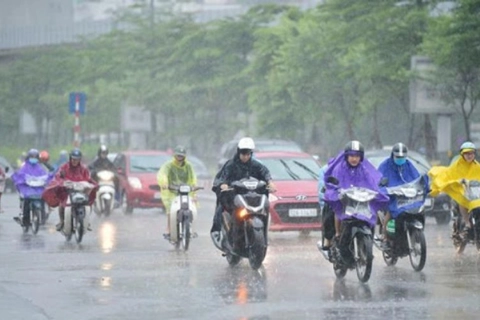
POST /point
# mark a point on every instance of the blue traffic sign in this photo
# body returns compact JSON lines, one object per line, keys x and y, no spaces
{"x":81,"y":97}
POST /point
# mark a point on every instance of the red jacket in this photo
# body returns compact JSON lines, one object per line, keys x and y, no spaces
{"x":55,"y":194}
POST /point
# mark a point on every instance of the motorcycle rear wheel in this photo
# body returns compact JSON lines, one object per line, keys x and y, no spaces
{"x":232,"y":259}
{"x":365,"y":257}
{"x":418,"y":254}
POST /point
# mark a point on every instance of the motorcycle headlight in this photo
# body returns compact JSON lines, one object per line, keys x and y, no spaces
{"x":272,"y":197}
{"x":135,"y":182}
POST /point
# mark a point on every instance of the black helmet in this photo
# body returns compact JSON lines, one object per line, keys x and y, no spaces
{"x":76,"y":154}
{"x":399,"y":150}
{"x":354,"y":147}
{"x":103,"y":149}
{"x":180,"y":151}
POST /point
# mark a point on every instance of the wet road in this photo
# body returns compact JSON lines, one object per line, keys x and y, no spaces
{"x":125,"y":270}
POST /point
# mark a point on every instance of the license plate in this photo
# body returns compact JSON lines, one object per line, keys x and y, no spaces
{"x":428,"y":202}
{"x":157,"y":195}
{"x":302,"y":212}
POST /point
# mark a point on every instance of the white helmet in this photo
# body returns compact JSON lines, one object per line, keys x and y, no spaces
{"x":246,"y":143}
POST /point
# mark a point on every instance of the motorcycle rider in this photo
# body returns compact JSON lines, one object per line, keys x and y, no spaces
{"x":241,"y":166}
{"x":101,"y":162}
{"x":44,"y":158}
{"x":351,"y":169}
{"x":398,"y":170}
{"x":175,"y":172}
{"x":31,"y":167}
{"x":3,"y":177}
{"x":465,"y":167}
{"x":73,"y":170}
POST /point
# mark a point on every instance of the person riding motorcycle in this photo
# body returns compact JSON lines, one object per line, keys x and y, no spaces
{"x":241,"y":166}
{"x":101,"y":162}
{"x":33,"y":168}
{"x":398,"y":170}
{"x":464,"y":167}
{"x":73,"y":170}
{"x":350,"y":168}
{"x":177,"y":171}
{"x":44,"y":158}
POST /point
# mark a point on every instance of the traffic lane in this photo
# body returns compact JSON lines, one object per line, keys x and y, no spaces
{"x":125,"y":270}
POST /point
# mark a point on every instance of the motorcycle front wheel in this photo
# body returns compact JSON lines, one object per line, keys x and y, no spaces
{"x":418,"y":251}
{"x":258,"y":249}
{"x":365,"y":257}
{"x":79,"y":228}
{"x":35,"y":219}
{"x":185,"y":234}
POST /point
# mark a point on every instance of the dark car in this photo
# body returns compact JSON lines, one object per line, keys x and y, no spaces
{"x":229,"y":149}
{"x":439,"y":207}
{"x":137,"y":173}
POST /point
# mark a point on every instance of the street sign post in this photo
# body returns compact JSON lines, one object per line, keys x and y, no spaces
{"x":76,"y":106}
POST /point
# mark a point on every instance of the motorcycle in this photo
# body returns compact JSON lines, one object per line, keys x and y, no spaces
{"x":104,"y":201}
{"x":37,"y":212}
{"x":182,"y":214}
{"x":244,"y":232}
{"x":406,"y":232}
{"x":354,"y":248}
{"x":461,"y":236}
{"x":76,"y":220}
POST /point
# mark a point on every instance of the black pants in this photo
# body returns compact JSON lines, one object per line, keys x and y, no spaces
{"x":26,"y":210}
{"x":224,"y":202}
{"x":328,"y":221}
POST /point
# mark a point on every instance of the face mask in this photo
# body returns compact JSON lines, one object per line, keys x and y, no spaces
{"x":33,"y":160}
{"x":400,"y":161}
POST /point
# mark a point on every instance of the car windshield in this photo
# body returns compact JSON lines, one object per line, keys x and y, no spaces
{"x":288,"y":147}
{"x":147,"y":163}
{"x":292,"y":168}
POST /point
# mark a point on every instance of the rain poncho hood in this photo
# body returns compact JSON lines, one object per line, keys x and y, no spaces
{"x":398,"y":175}
{"x":364,"y":175}
{"x":447,"y":179}
{"x":21,"y":177}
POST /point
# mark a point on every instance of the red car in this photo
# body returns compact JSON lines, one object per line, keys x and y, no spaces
{"x":137,"y":173}
{"x":294,"y":207}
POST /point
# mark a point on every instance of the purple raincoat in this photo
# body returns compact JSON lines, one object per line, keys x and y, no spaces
{"x":28,"y":173}
{"x":364,"y":175}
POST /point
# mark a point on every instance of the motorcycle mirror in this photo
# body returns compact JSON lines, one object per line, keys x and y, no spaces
{"x":62,"y":174}
{"x":333,"y":180}
{"x":383,"y":182}
{"x":7,"y":169}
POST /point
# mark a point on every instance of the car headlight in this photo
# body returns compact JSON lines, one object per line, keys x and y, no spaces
{"x":135,"y":182}
{"x":272,"y":197}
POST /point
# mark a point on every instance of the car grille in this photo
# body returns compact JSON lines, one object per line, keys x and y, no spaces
{"x":155,"y":187}
{"x":282,"y":211}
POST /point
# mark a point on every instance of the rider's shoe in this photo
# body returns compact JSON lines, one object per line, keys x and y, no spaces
{"x":217,"y":238}
{"x":166,"y":236}
{"x":194,"y":235}
{"x":89,"y":227}
{"x":59,"y":226}
{"x":18,"y":220}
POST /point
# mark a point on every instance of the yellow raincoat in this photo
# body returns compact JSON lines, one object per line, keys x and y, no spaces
{"x":172,"y":173}
{"x":447,"y":179}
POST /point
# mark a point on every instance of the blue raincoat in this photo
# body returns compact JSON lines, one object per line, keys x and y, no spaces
{"x":398,"y":175}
